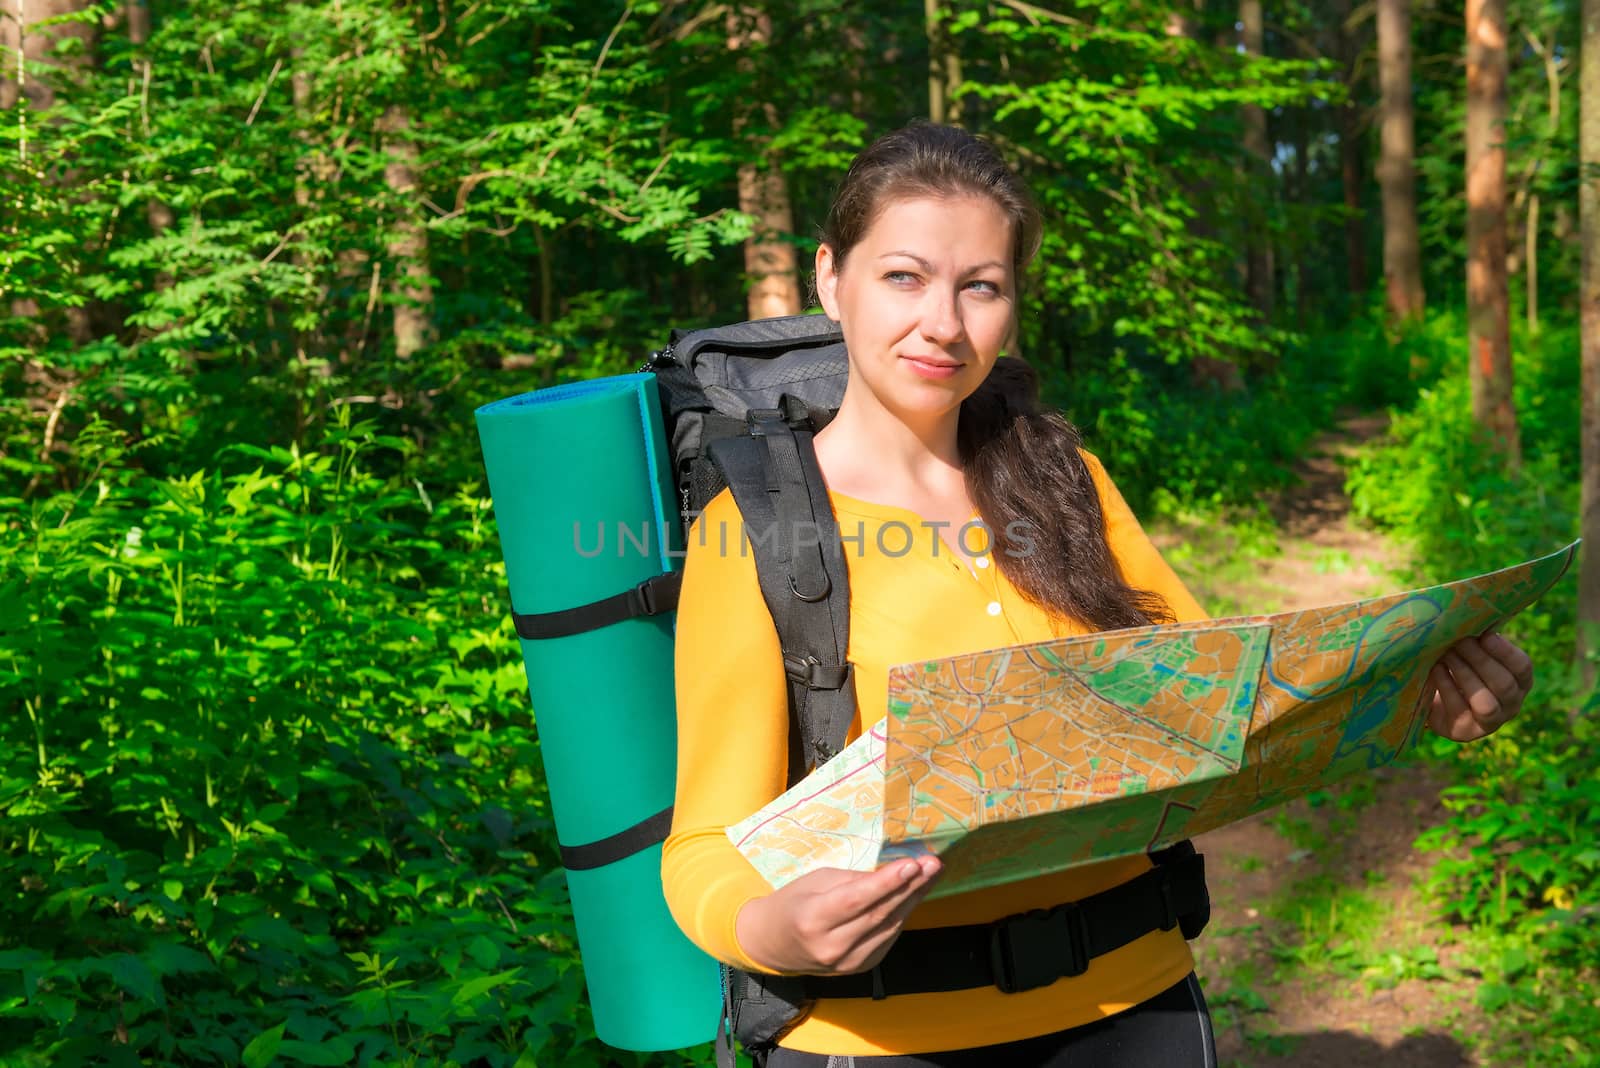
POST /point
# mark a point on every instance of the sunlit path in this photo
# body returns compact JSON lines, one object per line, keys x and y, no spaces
{"x":1321,"y":950}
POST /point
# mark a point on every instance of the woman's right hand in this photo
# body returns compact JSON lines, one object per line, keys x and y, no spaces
{"x":834,"y":922}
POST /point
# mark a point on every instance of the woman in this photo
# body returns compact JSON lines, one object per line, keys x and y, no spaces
{"x":920,"y":263}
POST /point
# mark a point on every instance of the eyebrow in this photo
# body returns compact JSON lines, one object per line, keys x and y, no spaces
{"x":926,"y":266}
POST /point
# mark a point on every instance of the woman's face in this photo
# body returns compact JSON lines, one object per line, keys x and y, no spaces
{"x":925,"y":299}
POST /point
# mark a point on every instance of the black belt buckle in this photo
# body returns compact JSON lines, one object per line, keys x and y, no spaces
{"x":1039,"y":947}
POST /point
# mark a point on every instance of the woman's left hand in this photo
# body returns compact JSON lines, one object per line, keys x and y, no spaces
{"x":1478,"y":686}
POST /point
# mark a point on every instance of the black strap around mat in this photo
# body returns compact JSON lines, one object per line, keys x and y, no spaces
{"x":1029,"y":950}
{"x":651,"y":597}
{"x":620,"y":846}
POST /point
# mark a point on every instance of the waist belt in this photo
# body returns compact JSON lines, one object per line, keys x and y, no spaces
{"x":1031,"y":949}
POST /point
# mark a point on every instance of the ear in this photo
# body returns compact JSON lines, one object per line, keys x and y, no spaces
{"x":827,"y":282}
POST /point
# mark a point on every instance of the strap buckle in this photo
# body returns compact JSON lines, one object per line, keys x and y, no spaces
{"x":1039,"y":947}
{"x":812,"y":673}
{"x":642,"y":598}
{"x":791,"y":412}
{"x":756,"y":419}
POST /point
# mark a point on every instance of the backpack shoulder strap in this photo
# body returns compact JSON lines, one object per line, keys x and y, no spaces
{"x":773,"y":474}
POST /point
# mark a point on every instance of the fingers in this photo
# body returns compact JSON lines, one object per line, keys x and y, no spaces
{"x":875,"y":899}
{"x":1450,"y":715}
{"x":1512,"y":657}
{"x":1482,"y":700}
{"x":1495,"y":673}
{"x":850,"y":925}
{"x":892,"y":908}
{"x":875,"y":944}
{"x":1481,"y":685}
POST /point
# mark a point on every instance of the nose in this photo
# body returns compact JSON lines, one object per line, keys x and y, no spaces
{"x":941,"y":317}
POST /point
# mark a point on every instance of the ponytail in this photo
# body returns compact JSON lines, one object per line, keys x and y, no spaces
{"x":1028,"y":478}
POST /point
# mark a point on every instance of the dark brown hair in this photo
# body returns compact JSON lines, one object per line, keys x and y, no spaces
{"x":1024,"y":468}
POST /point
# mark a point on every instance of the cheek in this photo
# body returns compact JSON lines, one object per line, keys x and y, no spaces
{"x":992,"y":327}
{"x":876,"y":320}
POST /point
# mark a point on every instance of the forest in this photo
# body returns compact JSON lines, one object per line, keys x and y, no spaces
{"x":270,"y":785}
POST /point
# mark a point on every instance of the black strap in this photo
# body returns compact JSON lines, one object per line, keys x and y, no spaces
{"x":620,"y":846}
{"x":1193,"y":921}
{"x":651,"y":597}
{"x":1029,"y":950}
{"x":773,"y":473}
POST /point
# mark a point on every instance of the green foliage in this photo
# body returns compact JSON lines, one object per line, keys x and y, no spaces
{"x":1177,"y":444}
{"x":1126,"y":252}
{"x":269,"y":787}
{"x":250,"y":184}
{"x":1380,"y":366}
{"x":1518,"y":859}
{"x":271,"y":792}
{"x":1441,"y":487}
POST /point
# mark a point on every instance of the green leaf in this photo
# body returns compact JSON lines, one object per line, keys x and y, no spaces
{"x":473,"y":989}
{"x":333,"y":1051}
{"x":134,"y":976}
{"x":262,"y":1048}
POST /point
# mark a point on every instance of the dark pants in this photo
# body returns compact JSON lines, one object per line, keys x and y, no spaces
{"x":1171,"y":1030}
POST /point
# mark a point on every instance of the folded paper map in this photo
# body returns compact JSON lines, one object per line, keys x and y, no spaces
{"x":1014,"y":762}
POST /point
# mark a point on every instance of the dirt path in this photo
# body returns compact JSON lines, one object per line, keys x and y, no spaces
{"x":1321,"y":952}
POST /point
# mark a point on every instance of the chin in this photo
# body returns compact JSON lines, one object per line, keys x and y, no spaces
{"x":926,"y":401}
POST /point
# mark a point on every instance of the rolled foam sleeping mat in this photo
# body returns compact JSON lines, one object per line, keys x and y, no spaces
{"x":583,"y":496}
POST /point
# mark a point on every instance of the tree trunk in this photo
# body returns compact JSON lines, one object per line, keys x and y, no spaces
{"x":1532,"y":254}
{"x":1259,"y":283}
{"x":1402,"y":247}
{"x":1552,"y":79}
{"x":547,"y":274}
{"x":1207,"y":372}
{"x":410,"y":292}
{"x":1351,"y":165}
{"x":28,"y":44}
{"x":1303,"y":203}
{"x":1488,"y":315}
{"x":944,"y":67}
{"x":10,"y":44}
{"x":1351,"y":169}
{"x":137,"y":13}
{"x":156,"y":211}
{"x":952,"y":81}
{"x":769,"y":259}
{"x":1589,"y":290}
{"x":18,"y":34}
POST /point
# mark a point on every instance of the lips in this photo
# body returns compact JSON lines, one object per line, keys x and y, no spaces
{"x":933,"y":368}
{"x":937,"y":362}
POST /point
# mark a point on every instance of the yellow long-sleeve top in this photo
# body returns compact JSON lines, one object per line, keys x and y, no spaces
{"x":733,"y":731}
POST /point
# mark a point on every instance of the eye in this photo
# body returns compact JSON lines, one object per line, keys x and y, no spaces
{"x":987,"y":288}
{"x":899,"y":278}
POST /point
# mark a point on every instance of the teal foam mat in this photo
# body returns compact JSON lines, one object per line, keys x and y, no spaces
{"x":584,"y":501}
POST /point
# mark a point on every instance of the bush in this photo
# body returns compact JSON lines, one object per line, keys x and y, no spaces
{"x":1169,"y":440}
{"x":269,"y":785}
{"x":1518,"y":859}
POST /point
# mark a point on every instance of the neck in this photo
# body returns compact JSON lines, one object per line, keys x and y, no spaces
{"x":867,"y":446}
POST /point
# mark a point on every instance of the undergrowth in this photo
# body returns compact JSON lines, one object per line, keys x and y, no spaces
{"x":271,"y":792}
{"x":1518,"y":862}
